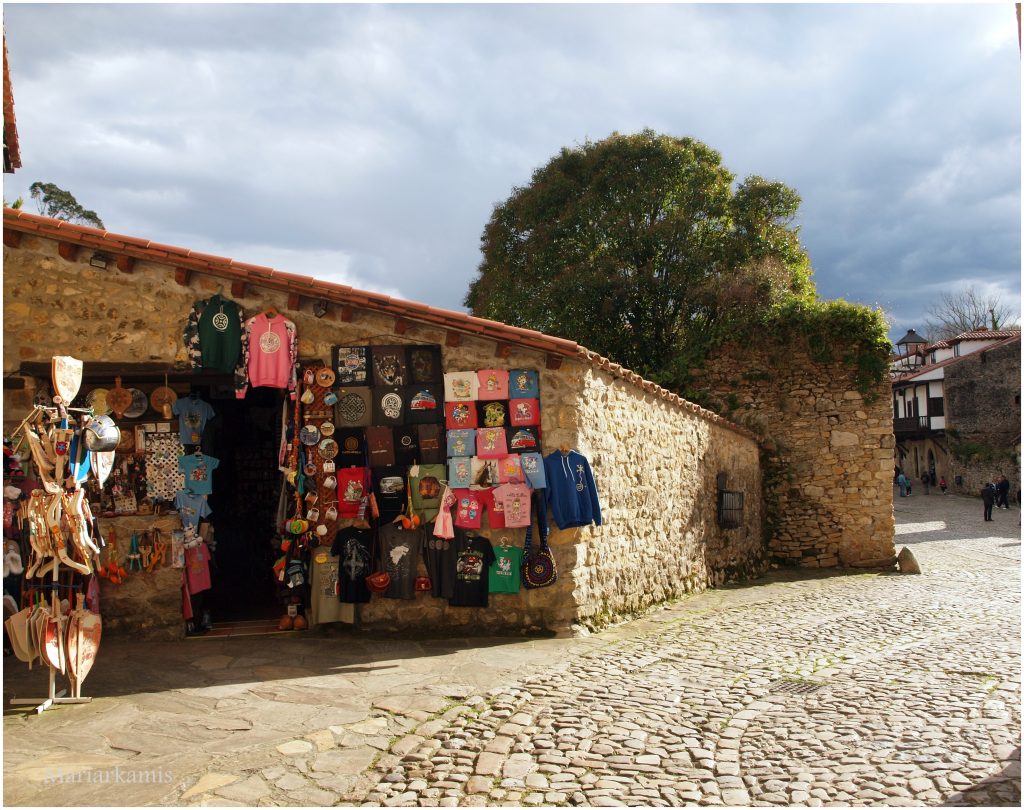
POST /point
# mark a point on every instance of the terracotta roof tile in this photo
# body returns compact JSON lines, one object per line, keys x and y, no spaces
{"x":290,"y":282}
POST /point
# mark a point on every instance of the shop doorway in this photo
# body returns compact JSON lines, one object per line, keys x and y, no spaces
{"x":244,"y":435}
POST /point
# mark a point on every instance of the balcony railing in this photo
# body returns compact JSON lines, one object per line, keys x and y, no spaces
{"x":914,"y":425}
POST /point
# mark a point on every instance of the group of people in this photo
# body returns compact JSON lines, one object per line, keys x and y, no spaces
{"x":906,"y":484}
{"x":997,"y":495}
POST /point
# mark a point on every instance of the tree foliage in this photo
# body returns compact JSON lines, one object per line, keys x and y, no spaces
{"x":639,"y":247}
{"x":966,"y":311}
{"x":53,"y":201}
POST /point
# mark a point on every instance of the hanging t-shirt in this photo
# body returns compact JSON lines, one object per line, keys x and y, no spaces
{"x":425,"y":364}
{"x":193,"y":413}
{"x":495,"y":510}
{"x":523,"y":384}
{"x":407,"y":445}
{"x":198,"y":469}
{"x":353,"y":486}
{"x":524,"y":439}
{"x":493,"y":383}
{"x":460,"y":471}
{"x":533,"y":469}
{"x":516,"y":500}
{"x":490,"y":443}
{"x":485,"y":472}
{"x":469,"y":507}
{"x":389,"y":365}
{"x":352,"y":547}
{"x":524,"y":412}
{"x":389,"y":490}
{"x":439,"y":556}
{"x":504,"y":574}
{"x":431,"y":438}
{"x":400,"y":552}
{"x":510,"y":470}
{"x":197,"y":568}
{"x":425,"y":403}
{"x":461,"y":442}
{"x":191,"y":508}
{"x":473,"y":558}
{"x":492,"y":414}
{"x":460,"y":415}
{"x":351,"y":365}
{"x":425,"y":488}
{"x":460,"y":385}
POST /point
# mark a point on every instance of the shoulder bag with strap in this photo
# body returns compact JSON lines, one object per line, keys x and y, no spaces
{"x":538,"y":568}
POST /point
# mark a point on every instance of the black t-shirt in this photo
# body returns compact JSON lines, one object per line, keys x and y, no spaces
{"x":353,"y":548}
{"x":389,"y":488}
{"x":473,"y":557}
{"x":400,"y":554}
{"x":439,"y":555}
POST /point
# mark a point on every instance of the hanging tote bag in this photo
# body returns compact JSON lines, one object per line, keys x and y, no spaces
{"x":538,"y":569}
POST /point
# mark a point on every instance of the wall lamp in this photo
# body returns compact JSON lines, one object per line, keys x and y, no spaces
{"x":100,"y":260}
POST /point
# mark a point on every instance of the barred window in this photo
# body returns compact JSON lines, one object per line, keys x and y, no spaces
{"x":730,"y":505}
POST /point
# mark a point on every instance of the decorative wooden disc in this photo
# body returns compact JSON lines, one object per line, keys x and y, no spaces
{"x":119,"y":398}
{"x":162,"y":396}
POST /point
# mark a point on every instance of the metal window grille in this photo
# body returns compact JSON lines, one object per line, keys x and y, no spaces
{"x":730,"y":509}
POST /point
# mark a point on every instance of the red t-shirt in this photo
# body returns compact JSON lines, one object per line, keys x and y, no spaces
{"x":353,"y":486}
{"x":495,"y":510}
{"x":469,"y":508}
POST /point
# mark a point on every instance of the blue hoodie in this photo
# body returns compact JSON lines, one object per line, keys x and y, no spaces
{"x":571,"y":492}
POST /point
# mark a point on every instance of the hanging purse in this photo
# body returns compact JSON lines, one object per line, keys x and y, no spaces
{"x":538,"y":569}
{"x":380,"y":580}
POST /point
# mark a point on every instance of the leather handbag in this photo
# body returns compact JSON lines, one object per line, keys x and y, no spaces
{"x":538,"y":568}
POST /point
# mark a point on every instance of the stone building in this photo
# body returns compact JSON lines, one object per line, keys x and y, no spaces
{"x":956,"y":412}
{"x":829,"y":449}
{"x":680,"y":487}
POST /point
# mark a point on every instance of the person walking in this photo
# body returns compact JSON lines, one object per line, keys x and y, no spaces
{"x":988,"y":498}
{"x":926,"y":481}
{"x":901,"y":481}
{"x":942,"y":484}
{"x":1003,"y":493}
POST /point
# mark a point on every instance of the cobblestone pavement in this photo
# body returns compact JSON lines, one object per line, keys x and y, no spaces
{"x":801,"y":689}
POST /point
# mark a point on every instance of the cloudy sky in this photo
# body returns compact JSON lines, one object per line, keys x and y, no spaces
{"x":368,"y":144}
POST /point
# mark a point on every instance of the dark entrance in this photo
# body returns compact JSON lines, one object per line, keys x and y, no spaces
{"x":245,"y":436}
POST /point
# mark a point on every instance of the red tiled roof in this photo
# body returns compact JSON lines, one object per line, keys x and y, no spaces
{"x":949,"y":361}
{"x":12,"y":153}
{"x":985,"y":334}
{"x":268,"y":277}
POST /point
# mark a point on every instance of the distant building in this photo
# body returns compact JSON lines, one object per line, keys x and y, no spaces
{"x":956,"y":407}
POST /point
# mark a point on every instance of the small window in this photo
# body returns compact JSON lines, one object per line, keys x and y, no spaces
{"x":730,"y":504}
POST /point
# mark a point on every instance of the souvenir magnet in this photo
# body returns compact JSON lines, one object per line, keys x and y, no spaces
{"x":324,"y":377}
{"x":328,"y":449}
{"x":309,"y":434}
{"x":327,"y":429}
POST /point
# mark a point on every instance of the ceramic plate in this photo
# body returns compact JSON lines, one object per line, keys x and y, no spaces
{"x":140,"y":402}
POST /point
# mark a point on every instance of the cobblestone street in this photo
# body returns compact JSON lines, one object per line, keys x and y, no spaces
{"x":801,"y":689}
{"x":849,"y":690}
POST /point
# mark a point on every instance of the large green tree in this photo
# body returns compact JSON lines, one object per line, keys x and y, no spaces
{"x":53,"y":201}
{"x":640,"y":248}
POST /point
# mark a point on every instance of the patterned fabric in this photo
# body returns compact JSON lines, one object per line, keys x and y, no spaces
{"x":163,"y":478}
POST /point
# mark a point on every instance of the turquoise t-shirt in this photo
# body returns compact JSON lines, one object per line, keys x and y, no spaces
{"x":198,"y":469}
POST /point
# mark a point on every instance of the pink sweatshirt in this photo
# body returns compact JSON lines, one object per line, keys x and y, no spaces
{"x":271,"y":350}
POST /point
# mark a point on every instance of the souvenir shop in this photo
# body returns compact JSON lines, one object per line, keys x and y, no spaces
{"x":295,"y":493}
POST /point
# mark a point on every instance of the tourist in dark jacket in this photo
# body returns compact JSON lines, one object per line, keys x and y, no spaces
{"x":988,"y":497}
{"x":1003,"y":493}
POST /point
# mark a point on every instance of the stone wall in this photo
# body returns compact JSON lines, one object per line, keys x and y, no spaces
{"x":829,"y":477}
{"x":655,"y":461}
{"x":982,"y":406}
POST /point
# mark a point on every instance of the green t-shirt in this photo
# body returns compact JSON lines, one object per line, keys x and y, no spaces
{"x":503,"y":575}
{"x":426,"y":489}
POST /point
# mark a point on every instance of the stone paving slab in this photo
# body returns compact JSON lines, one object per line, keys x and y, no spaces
{"x":912,"y":698}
